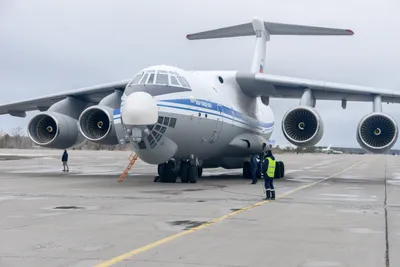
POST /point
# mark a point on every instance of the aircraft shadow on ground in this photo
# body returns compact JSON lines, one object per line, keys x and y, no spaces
{"x":132,"y":178}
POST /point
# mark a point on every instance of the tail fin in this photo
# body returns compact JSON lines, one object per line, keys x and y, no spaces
{"x":262,"y":30}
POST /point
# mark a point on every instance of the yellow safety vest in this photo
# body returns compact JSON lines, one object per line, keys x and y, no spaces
{"x":271,"y":168}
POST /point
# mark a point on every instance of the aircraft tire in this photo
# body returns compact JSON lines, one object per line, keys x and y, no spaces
{"x":283,"y":170}
{"x":183,"y":172}
{"x":278,"y":169}
{"x":193,"y":174}
{"x":167,"y":173}
{"x":200,"y":171}
{"x":246,"y":170}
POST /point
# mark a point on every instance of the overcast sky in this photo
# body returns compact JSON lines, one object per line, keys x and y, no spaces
{"x":53,"y":46}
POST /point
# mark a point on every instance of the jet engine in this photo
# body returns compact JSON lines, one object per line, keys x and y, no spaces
{"x":377,"y":132}
{"x":96,"y":125}
{"x":54,"y":130}
{"x":58,"y":126}
{"x":302,"y":126}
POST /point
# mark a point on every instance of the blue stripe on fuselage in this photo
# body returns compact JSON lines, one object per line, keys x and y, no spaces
{"x":219,"y":108}
{"x":212,"y":106}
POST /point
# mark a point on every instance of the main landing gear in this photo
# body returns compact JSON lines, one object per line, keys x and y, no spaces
{"x":187,"y":170}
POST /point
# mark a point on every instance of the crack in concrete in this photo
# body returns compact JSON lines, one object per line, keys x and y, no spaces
{"x":387,"y":259}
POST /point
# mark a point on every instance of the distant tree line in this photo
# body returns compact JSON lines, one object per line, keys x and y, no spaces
{"x":88,"y":145}
{"x":288,"y":149}
{"x":16,"y":139}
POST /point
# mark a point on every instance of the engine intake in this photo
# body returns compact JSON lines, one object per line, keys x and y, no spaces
{"x":54,"y":130}
{"x":302,"y":126}
{"x":96,"y":125}
{"x":377,"y":132}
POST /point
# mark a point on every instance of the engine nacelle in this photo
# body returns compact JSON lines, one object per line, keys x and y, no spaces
{"x":302,"y":126}
{"x":54,"y":130}
{"x":377,"y":132}
{"x":96,"y":124}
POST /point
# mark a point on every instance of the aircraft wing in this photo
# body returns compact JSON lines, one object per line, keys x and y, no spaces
{"x":260,"y":84}
{"x":92,"y":94}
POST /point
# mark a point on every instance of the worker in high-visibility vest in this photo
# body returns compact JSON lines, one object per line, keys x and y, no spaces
{"x":268,"y":170}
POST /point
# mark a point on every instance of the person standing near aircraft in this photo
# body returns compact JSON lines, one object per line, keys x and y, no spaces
{"x":268,"y":170}
{"x":64,"y":160}
{"x":262,"y":156}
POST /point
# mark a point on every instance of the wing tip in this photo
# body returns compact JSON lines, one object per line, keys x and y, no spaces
{"x":350,"y":31}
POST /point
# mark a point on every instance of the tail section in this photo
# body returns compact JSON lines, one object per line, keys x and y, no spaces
{"x":262,"y":30}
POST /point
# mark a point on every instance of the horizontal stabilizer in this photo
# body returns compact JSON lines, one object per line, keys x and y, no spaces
{"x":291,"y":29}
{"x":272,"y":28}
{"x":233,"y":31}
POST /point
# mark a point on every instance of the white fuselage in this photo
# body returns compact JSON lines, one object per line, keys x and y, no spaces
{"x":331,"y":151}
{"x":208,"y":114}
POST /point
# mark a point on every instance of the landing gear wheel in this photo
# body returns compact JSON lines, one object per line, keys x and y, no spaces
{"x":277,"y":173}
{"x":283,"y":170}
{"x":246,"y":170}
{"x":199,"y":171}
{"x":189,"y":173}
{"x":279,"y":169}
{"x":167,"y":174}
{"x":183,"y":172}
{"x":193,"y":174}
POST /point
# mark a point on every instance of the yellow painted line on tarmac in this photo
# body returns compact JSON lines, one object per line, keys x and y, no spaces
{"x":320,"y":181}
{"x":134,"y":252}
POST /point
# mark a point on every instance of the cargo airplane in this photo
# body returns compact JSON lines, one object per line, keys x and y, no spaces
{"x":329,"y":150}
{"x":184,"y":121}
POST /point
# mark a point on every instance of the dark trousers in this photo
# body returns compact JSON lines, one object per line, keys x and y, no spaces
{"x":254,"y":176}
{"x":269,"y":186}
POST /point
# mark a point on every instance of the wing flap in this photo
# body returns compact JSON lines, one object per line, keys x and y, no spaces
{"x":92,"y":94}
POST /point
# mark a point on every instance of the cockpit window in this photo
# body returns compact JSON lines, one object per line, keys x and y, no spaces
{"x":151,"y":79}
{"x":162,"y":78}
{"x":144,"y":79}
{"x":137,"y":78}
{"x":174,"y":81}
{"x":183,"y":81}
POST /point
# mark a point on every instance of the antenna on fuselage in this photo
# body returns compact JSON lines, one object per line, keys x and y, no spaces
{"x":263,"y":30}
